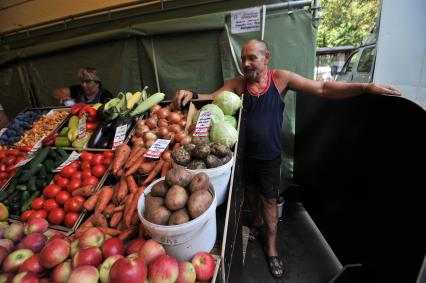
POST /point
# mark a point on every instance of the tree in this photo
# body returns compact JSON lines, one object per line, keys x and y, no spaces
{"x":346,"y":22}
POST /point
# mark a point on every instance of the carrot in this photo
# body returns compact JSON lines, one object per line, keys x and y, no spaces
{"x":90,"y":203}
{"x":166,"y":167}
{"x":120,"y":226}
{"x":135,"y":157}
{"x":110,"y":231}
{"x":85,"y":191}
{"x":99,"y":220}
{"x":120,"y":157}
{"x":128,"y":233}
{"x":109,"y":210}
{"x":131,"y":184}
{"x":105,"y":197}
{"x":135,"y":218}
{"x":133,"y":207}
{"x":147,"y":166}
{"x":127,"y":207}
{"x":154,"y":172}
{"x":134,"y":167}
{"x":133,"y":153}
{"x":141,"y":231}
{"x":119,"y":208}
{"x":115,"y":219}
{"x":88,"y":223}
{"x":122,"y":190}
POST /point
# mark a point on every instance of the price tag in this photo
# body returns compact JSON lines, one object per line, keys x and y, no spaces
{"x":23,"y":162}
{"x":157,"y":148}
{"x":82,"y":127}
{"x":73,"y":156}
{"x":203,"y":124}
{"x":120,"y":135}
{"x":2,"y":131}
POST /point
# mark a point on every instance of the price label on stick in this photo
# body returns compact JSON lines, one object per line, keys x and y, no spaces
{"x":23,"y":162}
{"x":36,"y":146}
{"x":120,"y":135}
{"x":82,"y":127}
{"x":203,"y":124}
{"x":157,"y":148}
{"x":73,"y":156}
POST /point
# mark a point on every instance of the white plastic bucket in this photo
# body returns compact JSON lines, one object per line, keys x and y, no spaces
{"x":183,"y":241}
{"x":280,"y":207}
{"x":219,"y":177}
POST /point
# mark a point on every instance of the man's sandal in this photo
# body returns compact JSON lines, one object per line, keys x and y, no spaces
{"x":276,"y":266}
{"x":254,"y":233}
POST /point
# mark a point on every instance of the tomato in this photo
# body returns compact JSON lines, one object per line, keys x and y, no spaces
{"x":63,"y":182}
{"x":86,"y":173}
{"x":86,"y":156}
{"x":9,"y":160}
{"x":76,"y":175}
{"x":80,"y":199}
{"x":37,"y":203}
{"x":107,"y":161}
{"x":70,"y":219}
{"x":76,"y":164}
{"x":26,"y":214}
{"x":49,"y":205}
{"x":73,"y":205}
{"x":68,"y":171}
{"x":108,"y":154}
{"x":10,"y":169}
{"x":91,"y":127}
{"x":85,"y":165}
{"x":97,"y":159}
{"x":4,"y":175}
{"x":73,"y":185}
{"x":19,"y":159}
{"x":92,"y":180}
{"x":98,"y":170}
{"x":56,"y":178}
{"x":14,"y":152}
{"x":56,"y":216}
{"x":38,"y":214}
{"x":3,"y":167}
{"x":62,"y":197}
{"x":50,"y":191}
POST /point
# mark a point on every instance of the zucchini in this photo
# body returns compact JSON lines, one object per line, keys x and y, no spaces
{"x":33,"y":170}
{"x":50,"y":165}
{"x":32,"y":184}
{"x":40,"y":156}
{"x":62,"y":153}
{"x":53,"y":155}
{"x":28,"y":202}
{"x":42,"y":173}
{"x":145,"y":105}
{"x":25,"y":196}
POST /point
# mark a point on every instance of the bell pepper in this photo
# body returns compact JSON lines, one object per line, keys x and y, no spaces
{"x":91,"y":127}
{"x":75,"y":109}
{"x":91,"y":112}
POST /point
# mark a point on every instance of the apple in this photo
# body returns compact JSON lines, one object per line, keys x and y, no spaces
{"x":186,"y":272}
{"x":133,"y":255}
{"x":6,"y":277}
{"x":112,"y":246}
{"x":86,"y":274}
{"x":163,"y":269}
{"x":134,"y":246}
{"x":61,"y":272}
{"x":25,"y":277}
{"x":12,"y":262}
{"x":7,"y":244}
{"x":39,"y":225}
{"x":150,"y":250}
{"x":128,"y":270}
{"x":44,"y":280}
{"x":89,"y":256}
{"x":32,"y":264}
{"x":14,"y":232}
{"x":93,"y":237}
{"x":106,"y":267}
{"x":34,"y":242}
{"x":4,"y":212}
{"x":53,"y":234}
{"x":3,"y":254}
{"x":204,"y":265}
{"x":55,"y":252}
{"x":74,"y":247}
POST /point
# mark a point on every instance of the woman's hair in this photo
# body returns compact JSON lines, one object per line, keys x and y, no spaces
{"x":89,"y":74}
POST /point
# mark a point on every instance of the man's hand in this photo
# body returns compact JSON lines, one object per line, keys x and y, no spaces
{"x":381,"y":89}
{"x":182,"y":97}
{"x":62,"y":94}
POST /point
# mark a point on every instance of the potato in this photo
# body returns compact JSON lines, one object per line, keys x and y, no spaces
{"x":160,"y":189}
{"x":179,"y":217}
{"x":199,"y":182}
{"x":220,"y":150}
{"x":197,"y":164}
{"x":189,"y":147}
{"x":178,"y":176}
{"x":199,"y":202}
{"x":158,"y":215}
{"x":225,"y":159}
{"x":201,"y":151}
{"x":181,"y":156}
{"x":176,"y":198}
{"x":213,"y":162}
{"x":151,"y":202}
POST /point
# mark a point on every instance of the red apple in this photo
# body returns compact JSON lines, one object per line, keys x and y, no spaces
{"x":44,"y":280}
{"x":7,"y":244}
{"x":163,"y":269}
{"x":204,"y":265}
{"x":186,"y":273}
{"x":86,"y":274}
{"x":53,"y":234}
{"x":134,"y":246}
{"x":93,"y":237}
{"x":150,"y":250}
{"x":14,"y":232}
{"x":25,"y":277}
{"x":36,"y":225}
{"x":6,"y":277}
{"x":34,"y":242}
{"x":128,"y":270}
{"x":61,"y":272}
{"x":32,"y":264}
{"x":112,"y":246}
{"x":55,"y":252}
{"x":74,"y":247}
{"x":3,"y":254}
{"x":89,"y":256}
{"x":14,"y":260}
{"x":106,"y":267}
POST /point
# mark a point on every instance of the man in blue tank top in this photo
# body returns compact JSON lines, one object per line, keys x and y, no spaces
{"x":263,"y":90}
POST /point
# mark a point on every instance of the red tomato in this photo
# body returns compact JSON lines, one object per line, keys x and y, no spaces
{"x":37,"y":203}
{"x":92,"y":180}
{"x":85,"y":165}
{"x":50,"y":204}
{"x":70,"y":219}
{"x":62,"y":197}
{"x":108,"y":154}
{"x":73,"y":205}
{"x":26,"y":214}
{"x":86,"y":156}
{"x":50,"y":191}
{"x":56,"y":178}
{"x":56,"y":216}
{"x":76,"y":175}
{"x":4,"y":175}
{"x":9,"y":160}
{"x":13,"y":152}
{"x":86,"y":173}
{"x":19,"y":159}
{"x":80,"y":199}
{"x":73,"y":185}
{"x":76,"y":164}
{"x":68,"y":171}
{"x":3,"y":167}
{"x":98,"y":170}
{"x":38,"y":214}
{"x":97,"y":159}
{"x":10,"y":169}
{"x":62,"y":182}
{"x":107,"y":161}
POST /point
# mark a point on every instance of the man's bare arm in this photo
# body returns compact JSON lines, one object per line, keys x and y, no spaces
{"x":62,"y":94}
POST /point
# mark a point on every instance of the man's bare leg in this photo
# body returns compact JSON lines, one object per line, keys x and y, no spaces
{"x":255,"y":206}
{"x":270,"y":215}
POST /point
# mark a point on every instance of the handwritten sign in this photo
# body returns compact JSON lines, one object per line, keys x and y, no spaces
{"x":82,"y":127}
{"x":120,"y":135}
{"x":245,"y":20}
{"x":157,"y":148}
{"x":73,"y":156}
{"x":203,"y":124}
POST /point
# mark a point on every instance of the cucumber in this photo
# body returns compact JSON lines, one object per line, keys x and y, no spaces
{"x":28,"y":202}
{"x":25,"y":196}
{"x":3,"y":196}
{"x":32,"y":184}
{"x":33,"y":170}
{"x":12,"y":186}
{"x":21,"y":188}
{"x":49,"y":164}
{"x":62,"y":153}
{"x":145,"y":105}
{"x":40,"y":156}
{"x":53,"y":155}
{"x":42,"y":173}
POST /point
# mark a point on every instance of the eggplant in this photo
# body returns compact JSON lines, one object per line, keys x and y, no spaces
{"x":120,"y":121}
{"x":96,"y":137}
{"x":102,"y":134}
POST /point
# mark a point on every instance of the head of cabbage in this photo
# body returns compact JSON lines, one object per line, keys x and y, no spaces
{"x":216,"y":113}
{"x":223,"y":133}
{"x":228,"y":101}
{"x":230,"y":120}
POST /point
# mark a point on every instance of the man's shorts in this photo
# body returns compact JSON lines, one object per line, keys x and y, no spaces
{"x":263,"y":175}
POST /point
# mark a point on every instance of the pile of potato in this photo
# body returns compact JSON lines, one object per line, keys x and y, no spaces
{"x":178,"y":198}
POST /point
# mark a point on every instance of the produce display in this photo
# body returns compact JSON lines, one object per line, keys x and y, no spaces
{"x":8,"y":158}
